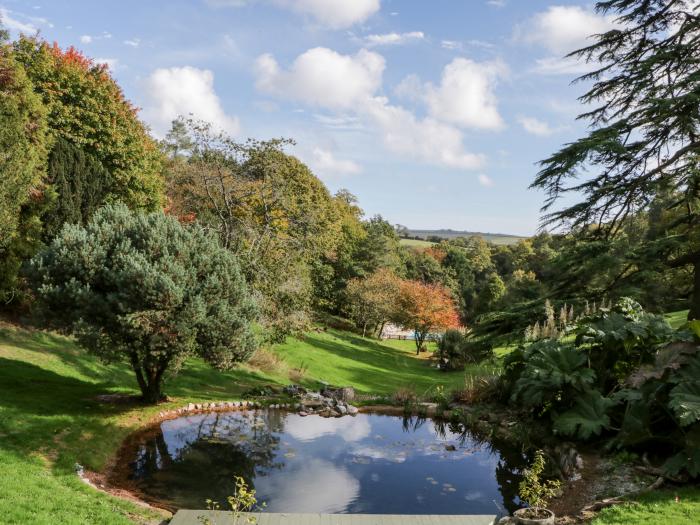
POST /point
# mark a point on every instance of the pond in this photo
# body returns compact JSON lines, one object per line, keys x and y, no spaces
{"x":370,"y":464}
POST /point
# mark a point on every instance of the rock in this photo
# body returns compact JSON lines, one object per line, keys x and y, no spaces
{"x":303,"y":414}
{"x":352,"y":410}
{"x":313,"y":400}
{"x":507,"y":520}
{"x":294,"y":390}
{"x":450,"y":448}
{"x":346,"y":393}
{"x":190,"y":406}
{"x":342,"y":409}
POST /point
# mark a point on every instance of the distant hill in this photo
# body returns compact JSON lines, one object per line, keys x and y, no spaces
{"x":495,"y":238}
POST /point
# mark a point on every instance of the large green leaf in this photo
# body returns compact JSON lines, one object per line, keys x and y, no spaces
{"x":685,"y":402}
{"x":588,"y":417}
{"x":694,"y":326}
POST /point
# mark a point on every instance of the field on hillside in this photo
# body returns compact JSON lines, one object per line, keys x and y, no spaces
{"x":495,"y":238}
{"x":416,"y":243}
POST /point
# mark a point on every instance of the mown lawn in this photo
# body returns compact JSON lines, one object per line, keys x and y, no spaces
{"x":658,"y":508}
{"x":50,"y":419}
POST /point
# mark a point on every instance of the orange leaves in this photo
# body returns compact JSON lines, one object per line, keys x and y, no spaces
{"x":71,"y":56}
{"x":425,"y":307}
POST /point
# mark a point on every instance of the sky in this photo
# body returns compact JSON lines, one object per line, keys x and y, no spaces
{"x":433,"y":113}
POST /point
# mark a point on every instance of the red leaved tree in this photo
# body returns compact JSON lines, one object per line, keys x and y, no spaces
{"x":425,"y":308}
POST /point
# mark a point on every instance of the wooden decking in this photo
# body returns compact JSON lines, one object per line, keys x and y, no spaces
{"x":197,"y":517}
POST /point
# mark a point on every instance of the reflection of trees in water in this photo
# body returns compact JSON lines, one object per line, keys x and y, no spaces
{"x":511,"y":458}
{"x":200,"y":461}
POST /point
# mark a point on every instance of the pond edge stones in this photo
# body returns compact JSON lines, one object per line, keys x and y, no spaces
{"x":330,"y":402}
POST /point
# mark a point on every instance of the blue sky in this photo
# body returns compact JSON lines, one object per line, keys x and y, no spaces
{"x":434,"y":113}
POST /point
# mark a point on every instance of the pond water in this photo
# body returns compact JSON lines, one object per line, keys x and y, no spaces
{"x":370,"y":464}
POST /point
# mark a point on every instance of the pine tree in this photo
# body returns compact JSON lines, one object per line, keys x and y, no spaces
{"x":645,"y":133}
{"x":145,"y":290}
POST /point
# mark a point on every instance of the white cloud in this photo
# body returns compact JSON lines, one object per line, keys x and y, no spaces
{"x":451,"y":44}
{"x":561,"y":66}
{"x":322,"y":77}
{"x":485,"y":180}
{"x":171,"y":92}
{"x":336,"y":14}
{"x":339,"y":122}
{"x":85,"y":39}
{"x":13,"y":24}
{"x":394,"y":38}
{"x":428,"y":139}
{"x":563,"y":29}
{"x":324,"y":163}
{"x":465,"y":96}
{"x":133,"y":42}
{"x":536,"y":126}
{"x":348,"y":84}
{"x":312,"y":486}
{"x":111,"y":63}
{"x":497,"y":3}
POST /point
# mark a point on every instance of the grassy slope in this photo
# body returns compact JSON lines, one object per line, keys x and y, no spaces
{"x":416,"y":243}
{"x":50,"y":420}
{"x":658,"y":508}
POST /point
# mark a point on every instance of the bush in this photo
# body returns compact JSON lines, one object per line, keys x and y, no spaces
{"x":627,"y":377}
{"x":455,"y":350}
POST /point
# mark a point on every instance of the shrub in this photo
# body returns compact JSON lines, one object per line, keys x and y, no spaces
{"x":628,"y":377}
{"x":455,"y":350}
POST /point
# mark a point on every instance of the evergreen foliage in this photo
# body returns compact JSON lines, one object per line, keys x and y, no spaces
{"x":81,"y":185}
{"x":146,"y":290}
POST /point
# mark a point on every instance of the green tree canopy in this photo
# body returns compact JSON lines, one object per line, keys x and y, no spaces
{"x":81,"y":185}
{"x":146,"y":290}
{"x":23,"y":147}
{"x":87,"y":108}
{"x":645,"y":136}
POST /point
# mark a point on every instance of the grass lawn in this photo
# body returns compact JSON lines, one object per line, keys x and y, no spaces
{"x":658,"y":508}
{"x":50,"y":419}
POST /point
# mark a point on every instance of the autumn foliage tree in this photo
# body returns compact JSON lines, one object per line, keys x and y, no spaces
{"x":372,"y":301}
{"x":87,"y":108}
{"x":424,"y":308}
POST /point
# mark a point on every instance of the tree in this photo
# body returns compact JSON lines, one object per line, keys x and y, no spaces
{"x":424,"y":308}
{"x":267,"y":208}
{"x":146,"y":290}
{"x":23,"y":150}
{"x":371,"y":301}
{"x":645,"y":136}
{"x":81,"y":185}
{"x":87,"y":108}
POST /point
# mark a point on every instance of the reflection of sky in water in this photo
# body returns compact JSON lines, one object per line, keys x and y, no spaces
{"x":362,"y":464}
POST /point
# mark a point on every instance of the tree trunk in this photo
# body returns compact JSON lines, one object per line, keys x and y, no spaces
{"x":694,"y":311}
{"x":420,"y":337}
{"x":149,"y":379}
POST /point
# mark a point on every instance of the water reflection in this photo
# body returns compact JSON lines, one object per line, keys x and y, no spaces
{"x":365,"y":464}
